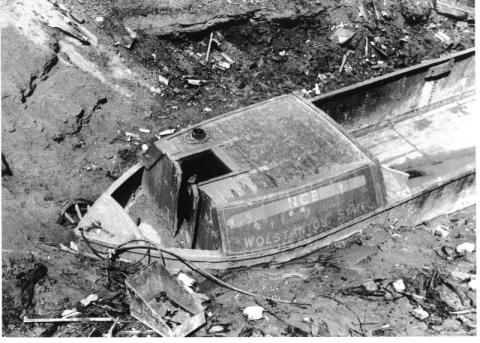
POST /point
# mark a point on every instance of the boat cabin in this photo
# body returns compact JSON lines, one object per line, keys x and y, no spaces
{"x":260,"y":177}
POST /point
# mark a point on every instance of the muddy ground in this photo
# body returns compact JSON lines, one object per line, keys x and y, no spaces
{"x":72,"y":91}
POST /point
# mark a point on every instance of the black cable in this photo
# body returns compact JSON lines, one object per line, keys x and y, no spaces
{"x":95,"y":252}
{"x":120,"y":249}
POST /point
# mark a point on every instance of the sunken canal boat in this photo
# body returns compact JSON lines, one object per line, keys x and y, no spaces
{"x":282,"y":178}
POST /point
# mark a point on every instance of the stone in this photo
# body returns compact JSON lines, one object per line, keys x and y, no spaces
{"x":399,"y":286}
{"x":416,"y":11}
{"x":89,"y":299}
{"x":450,"y":298}
{"x":216,"y":329}
{"x":370,"y":286}
{"x":451,"y":325}
{"x":465,"y":248}
{"x":186,"y":280}
{"x":420,"y":313}
{"x":341,"y":35}
{"x":253,"y":312}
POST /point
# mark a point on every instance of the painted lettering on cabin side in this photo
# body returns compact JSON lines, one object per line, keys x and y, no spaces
{"x":307,"y":198}
{"x":302,"y":230}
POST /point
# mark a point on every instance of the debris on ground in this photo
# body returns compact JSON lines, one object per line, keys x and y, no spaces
{"x":161,"y":302}
{"x":88,"y":300}
{"x":453,"y":9}
{"x":218,"y":328}
{"x":399,"y":286}
{"x":341,"y":36}
{"x":166,"y":132}
{"x":441,"y":230}
{"x":416,"y":11}
{"x":28,"y":280}
{"x":420,"y":313}
{"x":253,"y":312}
{"x":163,"y":80}
{"x":465,"y":248}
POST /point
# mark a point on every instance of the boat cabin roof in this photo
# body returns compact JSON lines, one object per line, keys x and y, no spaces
{"x":263,"y":148}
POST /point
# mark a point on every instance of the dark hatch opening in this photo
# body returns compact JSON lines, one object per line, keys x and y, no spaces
{"x":204,"y":166}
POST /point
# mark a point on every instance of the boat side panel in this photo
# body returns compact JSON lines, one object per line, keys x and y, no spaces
{"x":161,"y":182}
{"x":397,"y":95}
{"x":444,"y":198}
{"x":296,"y":216}
{"x":207,"y":235}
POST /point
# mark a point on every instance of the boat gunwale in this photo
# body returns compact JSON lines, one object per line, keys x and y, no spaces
{"x":217,"y":256}
{"x":393,"y":75}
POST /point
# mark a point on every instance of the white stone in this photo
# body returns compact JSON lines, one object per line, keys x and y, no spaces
{"x":74,"y":246}
{"x":399,"y":286}
{"x":162,"y":79}
{"x":216,"y":329}
{"x":465,"y":248}
{"x":186,"y":280}
{"x":91,"y":298}
{"x":253,"y":312}
{"x":420,"y":313}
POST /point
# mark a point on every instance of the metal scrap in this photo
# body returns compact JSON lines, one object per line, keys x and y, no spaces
{"x":454,"y":9}
{"x":158,"y":298}
{"x":28,"y":280}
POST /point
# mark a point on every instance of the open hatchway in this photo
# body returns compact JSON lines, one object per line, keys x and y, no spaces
{"x":195,"y":168}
